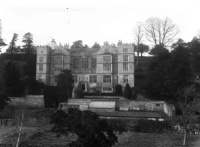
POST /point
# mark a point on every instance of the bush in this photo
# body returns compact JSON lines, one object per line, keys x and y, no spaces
{"x":118,"y":89}
{"x":150,"y":126}
{"x":127,"y":92}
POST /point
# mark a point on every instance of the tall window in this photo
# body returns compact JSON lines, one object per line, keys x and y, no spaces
{"x":93,"y":79}
{"x":125,"y":58}
{"x":58,"y":67}
{"x":125,"y":78}
{"x":40,"y":67}
{"x":76,"y":63}
{"x":41,"y":59}
{"x":93,"y":63}
{"x":107,"y":59}
{"x":85,"y":63}
{"x":125,"y":66}
{"x":58,"y":60}
{"x":125,"y":50}
{"x":106,"y":78}
{"x":40,"y":78}
{"x":106,"y":67}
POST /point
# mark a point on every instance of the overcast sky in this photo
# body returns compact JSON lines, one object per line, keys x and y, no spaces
{"x":92,"y":20}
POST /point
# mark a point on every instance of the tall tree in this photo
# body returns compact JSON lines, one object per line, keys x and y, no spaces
{"x":158,"y":50}
{"x":90,"y":129}
{"x":142,"y":48}
{"x":160,"y":32}
{"x":168,"y":73}
{"x":1,"y":40}
{"x":96,"y":45}
{"x":138,"y":35}
{"x":65,"y":82}
{"x":28,"y":47}
{"x":12,"y":47}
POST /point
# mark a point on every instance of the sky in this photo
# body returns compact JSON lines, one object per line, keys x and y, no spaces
{"x":92,"y":20}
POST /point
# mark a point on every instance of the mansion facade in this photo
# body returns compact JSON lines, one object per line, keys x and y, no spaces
{"x":97,"y":68}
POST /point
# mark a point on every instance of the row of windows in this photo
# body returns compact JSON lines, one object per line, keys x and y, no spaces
{"x":106,"y":78}
{"x":77,"y":63}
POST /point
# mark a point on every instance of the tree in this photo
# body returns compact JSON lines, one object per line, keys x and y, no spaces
{"x":3,"y":101}
{"x":65,"y":82}
{"x":12,"y":48}
{"x":163,"y":82}
{"x":28,"y":47}
{"x":118,"y":89}
{"x":96,"y":45}
{"x":189,"y":104}
{"x":142,"y":48}
{"x":90,"y":129}
{"x":158,"y":50}
{"x":127,"y":92}
{"x":138,"y":35}
{"x":160,"y":32}
{"x":1,"y":40}
{"x":77,"y":44}
{"x":11,"y":79}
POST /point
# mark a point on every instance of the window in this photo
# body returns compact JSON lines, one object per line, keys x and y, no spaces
{"x":58,"y":67}
{"x":93,"y":63}
{"x":40,"y":78}
{"x":107,"y":59}
{"x":125,"y":58}
{"x":125,"y":78}
{"x":58,"y":60}
{"x":106,"y":78}
{"x":107,"y":89}
{"x":125,"y":50}
{"x":157,"y":105}
{"x":106,"y":67}
{"x":75,"y":78}
{"x":76,"y":63}
{"x":125,"y":66}
{"x":85,"y":63}
{"x":41,"y":59}
{"x":40,"y":67}
{"x":93,"y":79}
{"x":66,"y":59}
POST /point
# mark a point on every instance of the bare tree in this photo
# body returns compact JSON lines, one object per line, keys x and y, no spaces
{"x":189,"y":104}
{"x":160,"y":32}
{"x":138,"y":35}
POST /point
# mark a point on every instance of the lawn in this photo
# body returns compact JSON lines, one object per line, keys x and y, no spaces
{"x":153,"y":140}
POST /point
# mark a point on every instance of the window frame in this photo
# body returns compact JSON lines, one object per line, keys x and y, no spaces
{"x":125,"y":78}
{"x":41,"y":68}
{"x":84,"y":62}
{"x":125,"y":50}
{"x":107,"y":79}
{"x":125,"y":58}
{"x":107,"y":67}
{"x":125,"y":66}
{"x":92,"y":78}
{"x":107,"y":59}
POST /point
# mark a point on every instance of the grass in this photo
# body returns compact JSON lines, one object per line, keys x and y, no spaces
{"x":153,"y":140}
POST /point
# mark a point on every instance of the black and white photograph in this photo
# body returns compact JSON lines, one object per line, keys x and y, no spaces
{"x":100,"y":73}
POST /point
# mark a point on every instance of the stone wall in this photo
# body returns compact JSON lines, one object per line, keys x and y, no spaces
{"x":30,"y":101}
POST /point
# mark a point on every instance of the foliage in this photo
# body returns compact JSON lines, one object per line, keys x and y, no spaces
{"x":142,"y":48}
{"x":96,"y":45}
{"x":4,"y":99}
{"x":118,"y":89}
{"x":189,"y":104}
{"x":28,"y":47}
{"x":163,"y":82}
{"x":12,"y":47}
{"x":11,"y":79}
{"x":90,"y":129}
{"x":127,"y":92}
{"x":77,"y":44}
{"x":65,"y":82}
{"x":151,"y":126}
{"x":158,"y":50}
{"x":79,"y":91}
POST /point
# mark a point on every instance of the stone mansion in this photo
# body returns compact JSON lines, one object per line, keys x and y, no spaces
{"x":98,"y":69}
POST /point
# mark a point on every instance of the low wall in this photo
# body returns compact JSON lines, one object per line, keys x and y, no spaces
{"x":30,"y":101}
